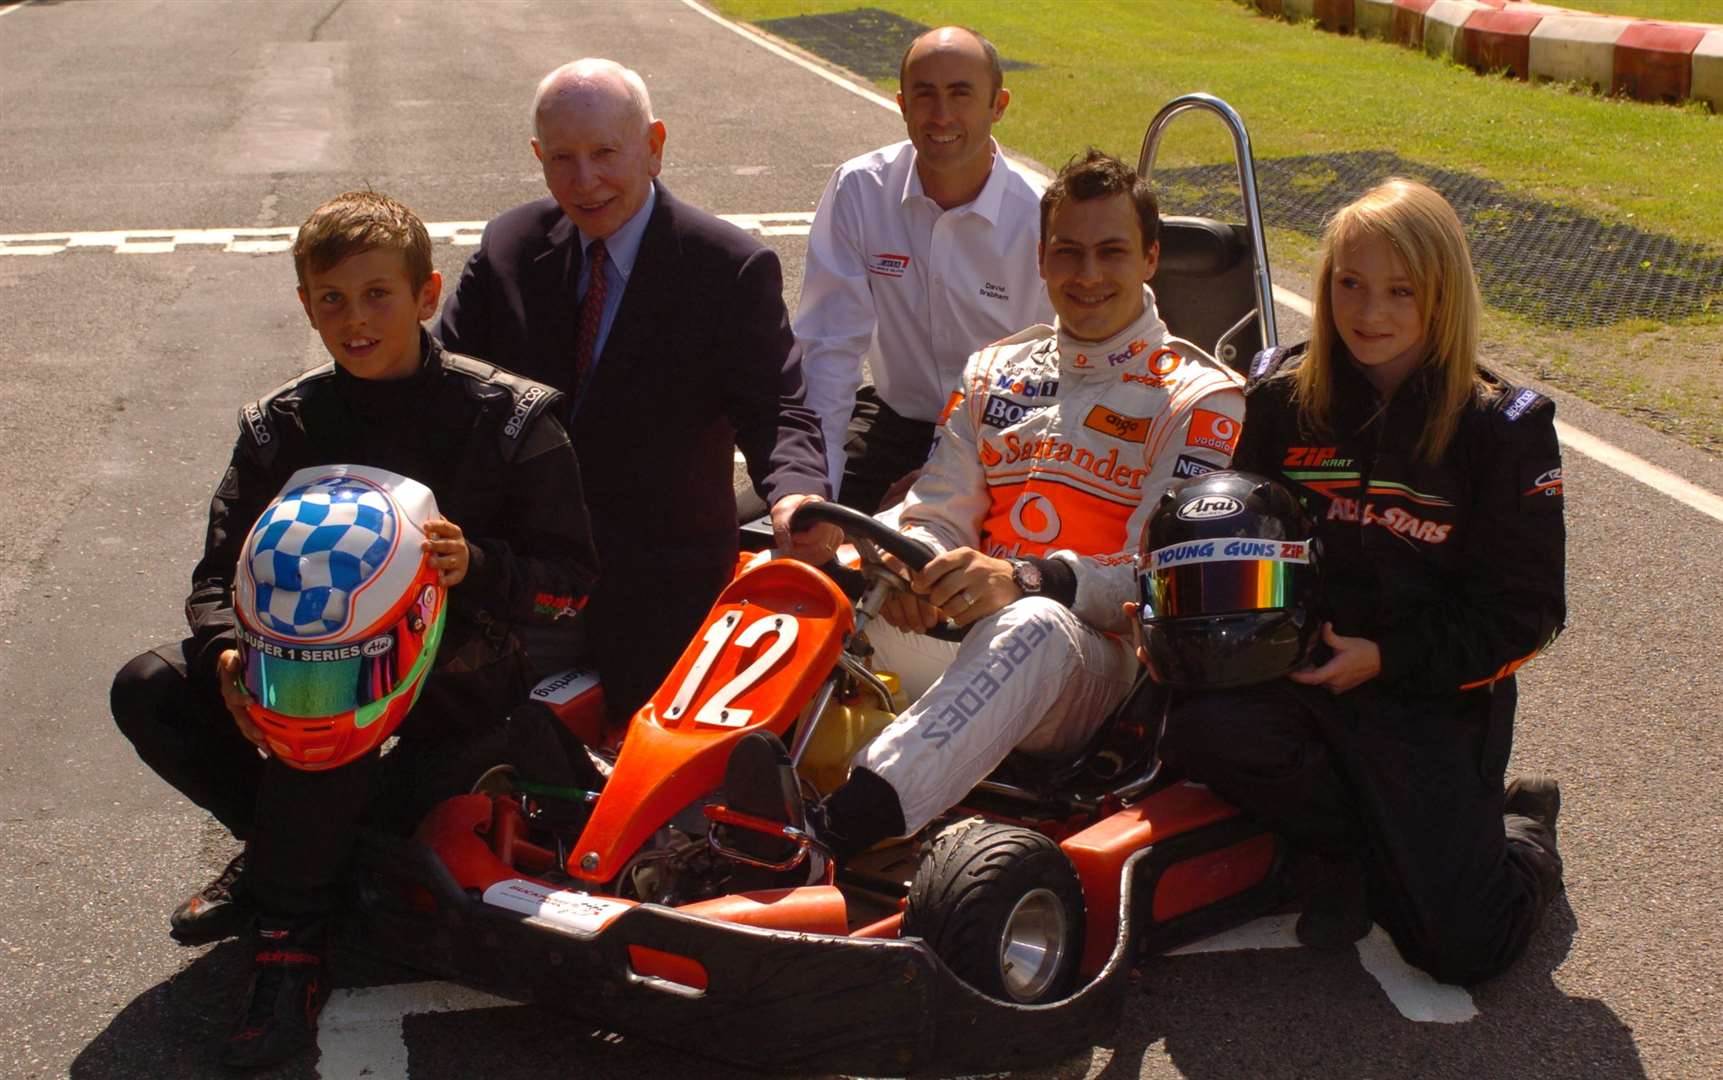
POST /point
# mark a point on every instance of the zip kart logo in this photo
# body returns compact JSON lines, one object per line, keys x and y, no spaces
{"x":1314,"y":457}
{"x":886,"y":264}
{"x":1212,"y":431}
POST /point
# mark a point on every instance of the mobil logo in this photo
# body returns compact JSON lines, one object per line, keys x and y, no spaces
{"x":1030,"y":388}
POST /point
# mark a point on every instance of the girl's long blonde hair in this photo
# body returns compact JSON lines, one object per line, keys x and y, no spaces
{"x":1427,"y":234}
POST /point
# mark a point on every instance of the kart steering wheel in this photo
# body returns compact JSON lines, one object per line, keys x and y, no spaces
{"x":859,"y":526}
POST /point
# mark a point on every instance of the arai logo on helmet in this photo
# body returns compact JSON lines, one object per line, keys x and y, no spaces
{"x":378,"y":646}
{"x":1210,"y":506}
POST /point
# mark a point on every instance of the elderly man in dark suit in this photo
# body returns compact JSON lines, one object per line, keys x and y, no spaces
{"x":666,"y":328}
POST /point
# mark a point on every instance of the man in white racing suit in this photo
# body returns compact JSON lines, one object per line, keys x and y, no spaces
{"x":1049,"y":459}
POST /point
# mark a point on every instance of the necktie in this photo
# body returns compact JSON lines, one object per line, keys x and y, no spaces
{"x":591,"y":313}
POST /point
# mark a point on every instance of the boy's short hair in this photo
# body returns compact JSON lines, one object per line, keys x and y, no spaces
{"x":358,"y":221}
{"x":1098,"y":175}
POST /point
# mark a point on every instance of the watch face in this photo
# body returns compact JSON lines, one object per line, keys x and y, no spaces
{"x":1027,"y":575}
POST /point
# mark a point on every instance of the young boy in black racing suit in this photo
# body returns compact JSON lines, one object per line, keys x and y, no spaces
{"x":488,"y":445}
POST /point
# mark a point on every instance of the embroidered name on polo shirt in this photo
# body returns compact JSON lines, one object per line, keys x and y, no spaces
{"x":994,"y":292}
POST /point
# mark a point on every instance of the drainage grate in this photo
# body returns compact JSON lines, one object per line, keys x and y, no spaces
{"x":868,"y":41}
{"x":1549,"y":263}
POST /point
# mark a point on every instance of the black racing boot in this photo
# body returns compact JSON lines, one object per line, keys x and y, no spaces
{"x":1530,"y":810}
{"x":1336,"y":908}
{"x":760,"y":781}
{"x":219,"y":910}
{"x":288,"y":989}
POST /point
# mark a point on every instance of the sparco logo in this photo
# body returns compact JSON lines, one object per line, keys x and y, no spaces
{"x":254,"y":420}
{"x":523,"y":408}
{"x":1210,"y":506}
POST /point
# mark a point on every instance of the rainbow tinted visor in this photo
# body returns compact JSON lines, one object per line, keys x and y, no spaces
{"x":1224,"y":576}
{"x":294,"y":679}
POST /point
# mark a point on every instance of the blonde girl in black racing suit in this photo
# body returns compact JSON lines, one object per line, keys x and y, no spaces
{"x":1437,"y":493}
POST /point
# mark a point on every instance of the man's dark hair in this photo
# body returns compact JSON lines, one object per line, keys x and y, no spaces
{"x":994,"y":71}
{"x":1097,"y":175}
{"x":358,"y":221}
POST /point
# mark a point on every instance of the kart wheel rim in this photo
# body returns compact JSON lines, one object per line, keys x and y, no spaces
{"x":1033,"y":945}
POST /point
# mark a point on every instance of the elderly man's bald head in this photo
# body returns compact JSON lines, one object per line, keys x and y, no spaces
{"x":594,"y":133}
{"x":592,"y":82}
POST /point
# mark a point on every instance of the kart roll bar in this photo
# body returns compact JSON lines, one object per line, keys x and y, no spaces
{"x":1247,"y":188}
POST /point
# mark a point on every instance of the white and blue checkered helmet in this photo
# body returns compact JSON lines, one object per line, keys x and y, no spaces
{"x":339,"y":610}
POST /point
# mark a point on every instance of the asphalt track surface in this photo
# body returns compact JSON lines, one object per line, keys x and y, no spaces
{"x":119,"y":377}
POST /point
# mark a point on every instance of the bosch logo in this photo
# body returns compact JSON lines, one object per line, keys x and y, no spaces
{"x":1210,"y":507}
{"x":378,"y":646}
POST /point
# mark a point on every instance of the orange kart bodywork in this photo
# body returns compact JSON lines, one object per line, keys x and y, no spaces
{"x":1170,"y":863}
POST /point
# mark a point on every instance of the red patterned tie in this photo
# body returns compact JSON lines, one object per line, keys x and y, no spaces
{"x":591,"y":313}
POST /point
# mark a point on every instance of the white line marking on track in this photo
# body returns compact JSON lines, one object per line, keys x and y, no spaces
{"x":802,"y":62}
{"x":1419,"y":998}
{"x":1629,"y":464}
{"x":359,"y":1034}
{"x":266,"y":241}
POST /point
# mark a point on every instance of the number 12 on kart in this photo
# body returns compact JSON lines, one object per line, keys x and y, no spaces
{"x":717,"y":711}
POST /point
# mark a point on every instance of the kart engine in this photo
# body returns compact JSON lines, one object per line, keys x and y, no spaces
{"x":677,"y":866}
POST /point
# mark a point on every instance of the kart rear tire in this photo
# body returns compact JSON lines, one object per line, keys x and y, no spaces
{"x":1001,"y":905}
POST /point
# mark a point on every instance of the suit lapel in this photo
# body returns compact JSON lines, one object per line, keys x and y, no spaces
{"x":555,"y":271}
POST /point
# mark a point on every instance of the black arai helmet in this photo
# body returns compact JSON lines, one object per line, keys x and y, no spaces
{"x":1228,"y":582}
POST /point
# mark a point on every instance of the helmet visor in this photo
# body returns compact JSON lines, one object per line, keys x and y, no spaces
{"x":311,"y":681}
{"x":1219,"y":577}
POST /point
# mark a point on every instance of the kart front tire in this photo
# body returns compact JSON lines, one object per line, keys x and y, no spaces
{"x":1001,"y":905}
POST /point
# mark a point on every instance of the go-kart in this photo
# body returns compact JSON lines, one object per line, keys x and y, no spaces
{"x":630,"y":895}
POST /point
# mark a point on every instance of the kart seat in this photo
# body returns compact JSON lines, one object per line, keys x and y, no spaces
{"x":1205,"y":286}
{"x":1122,"y":749}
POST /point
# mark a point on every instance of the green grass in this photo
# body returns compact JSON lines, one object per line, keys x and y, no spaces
{"x":1706,"y":11}
{"x":1102,"y":68}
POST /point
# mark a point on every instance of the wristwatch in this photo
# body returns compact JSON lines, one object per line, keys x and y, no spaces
{"x":1026,"y":576}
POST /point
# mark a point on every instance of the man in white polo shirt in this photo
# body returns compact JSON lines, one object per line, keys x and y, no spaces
{"x":920,"y":253}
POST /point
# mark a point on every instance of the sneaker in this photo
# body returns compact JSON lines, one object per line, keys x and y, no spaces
{"x":760,"y":781}
{"x":1336,"y":909}
{"x":1537,"y":797}
{"x":288,"y":989}
{"x":219,"y":910}
{"x":1531,"y":806}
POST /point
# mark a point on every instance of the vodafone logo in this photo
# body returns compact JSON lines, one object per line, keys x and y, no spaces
{"x":1212,"y":430}
{"x":1032,"y":507}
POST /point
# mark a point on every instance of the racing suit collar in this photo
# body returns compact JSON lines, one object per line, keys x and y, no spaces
{"x":1083,"y":358}
{"x":395,"y":396}
{"x":986,"y":204}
